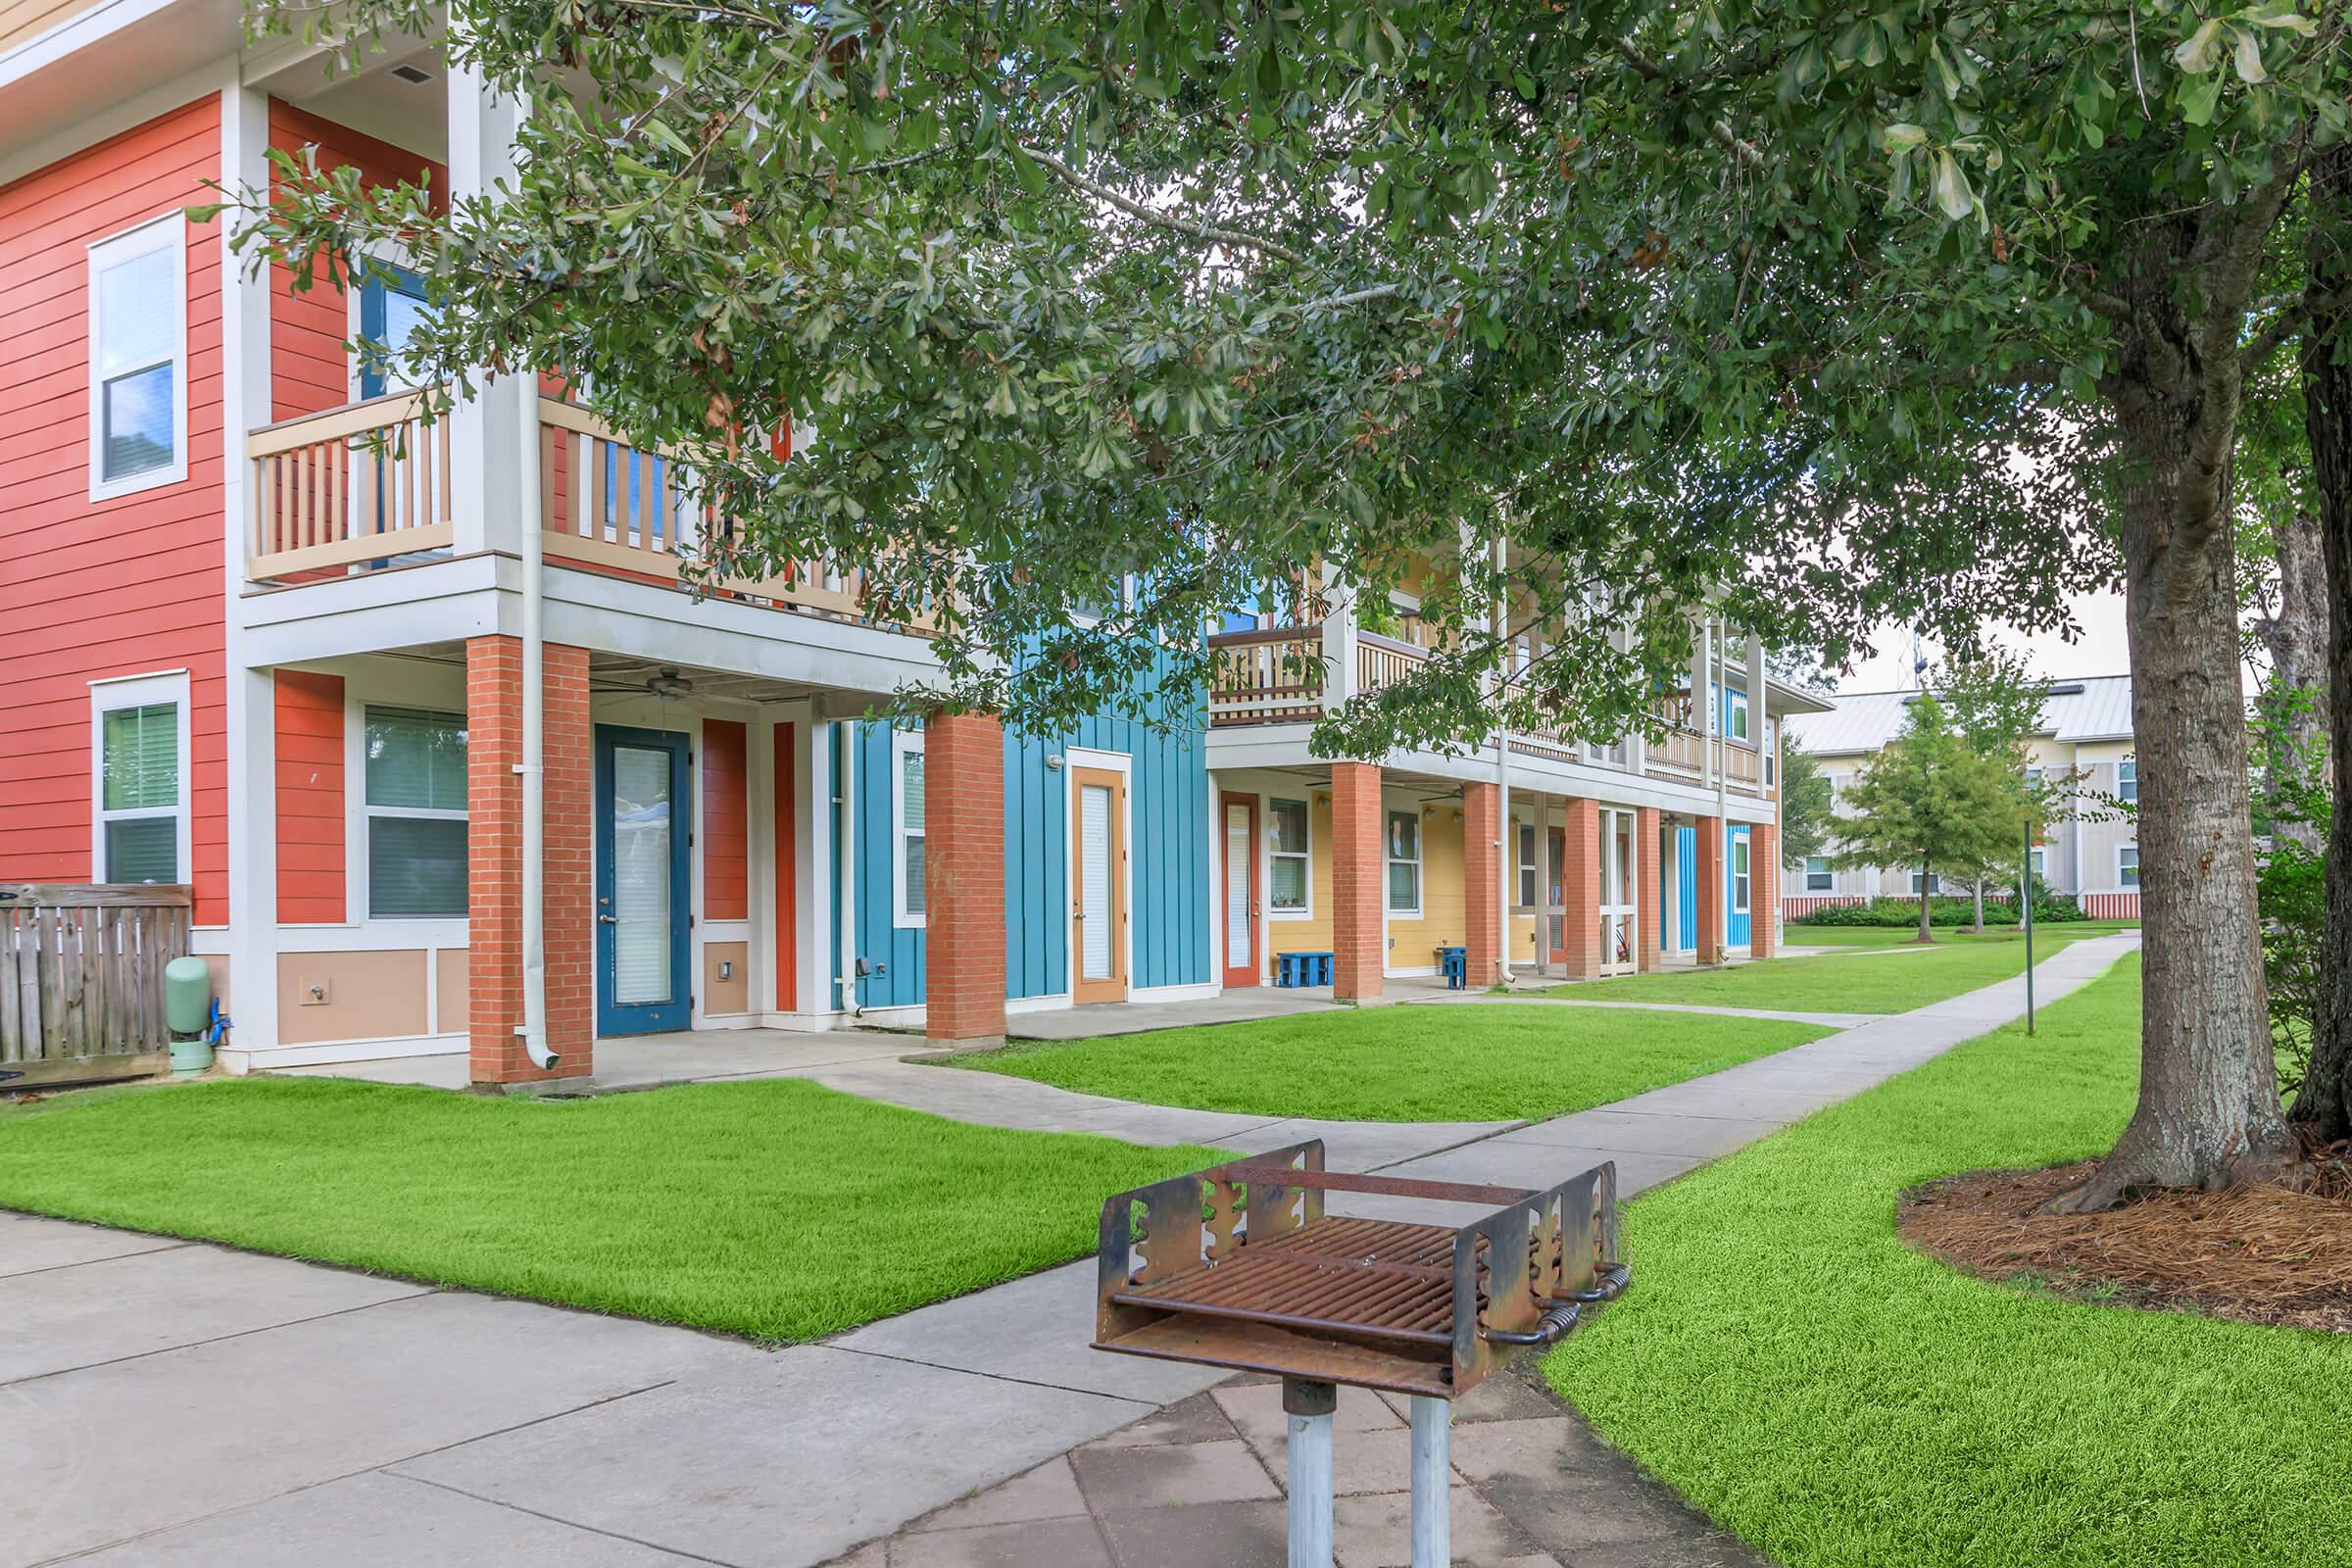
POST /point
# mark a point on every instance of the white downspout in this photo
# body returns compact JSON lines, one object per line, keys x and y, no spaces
{"x":1502,"y":778}
{"x":532,"y":766}
{"x":845,"y":833}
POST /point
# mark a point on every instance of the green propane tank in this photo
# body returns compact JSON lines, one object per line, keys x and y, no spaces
{"x":188,"y":1014}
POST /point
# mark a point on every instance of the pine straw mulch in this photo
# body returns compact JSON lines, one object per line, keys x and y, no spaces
{"x":2258,"y":1254}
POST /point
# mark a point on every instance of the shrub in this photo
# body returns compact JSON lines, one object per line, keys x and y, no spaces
{"x":1895,"y":913}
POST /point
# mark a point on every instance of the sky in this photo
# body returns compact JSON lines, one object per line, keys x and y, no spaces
{"x":2098,"y":650}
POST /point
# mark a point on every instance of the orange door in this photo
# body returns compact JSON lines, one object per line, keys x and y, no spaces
{"x":1554,"y":916}
{"x":1098,"y":885}
{"x":1237,"y":927}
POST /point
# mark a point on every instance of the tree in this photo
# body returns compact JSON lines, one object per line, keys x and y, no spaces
{"x":1930,"y":801}
{"x":1995,"y":703}
{"x":1816,"y":318}
{"x":1805,"y":807}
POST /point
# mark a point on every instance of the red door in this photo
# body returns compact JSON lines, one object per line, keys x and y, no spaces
{"x":1236,"y":925}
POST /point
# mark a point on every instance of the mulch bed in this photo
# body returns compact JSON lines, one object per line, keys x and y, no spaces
{"x":2259,"y":1254}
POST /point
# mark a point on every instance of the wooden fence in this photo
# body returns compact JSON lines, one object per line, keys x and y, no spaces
{"x":81,"y":980}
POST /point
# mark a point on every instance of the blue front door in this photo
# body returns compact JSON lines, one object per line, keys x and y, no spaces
{"x":644,"y":832}
{"x":1685,"y":889}
{"x":1739,"y":887}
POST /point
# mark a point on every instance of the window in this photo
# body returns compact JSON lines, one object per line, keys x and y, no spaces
{"x":416,"y":766}
{"x":1527,"y":866}
{"x":2040,"y":861}
{"x":391,"y":306}
{"x":1819,"y":878}
{"x":1735,"y":705}
{"x":141,"y":760}
{"x":1287,"y":864}
{"x":138,"y":353}
{"x":1836,"y":782}
{"x":1935,"y":885}
{"x":906,"y":824}
{"x":2127,"y":780}
{"x":1740,"y":884}
{"x":2126,"y":866}
{"x":1404,"y":863}
{"x":1772,"y":753}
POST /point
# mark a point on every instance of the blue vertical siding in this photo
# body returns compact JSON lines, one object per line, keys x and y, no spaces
{"x":1685,"y":900}
{"x":1168,"y":874}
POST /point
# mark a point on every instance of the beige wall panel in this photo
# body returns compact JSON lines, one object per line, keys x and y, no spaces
{"x":367,"y":995}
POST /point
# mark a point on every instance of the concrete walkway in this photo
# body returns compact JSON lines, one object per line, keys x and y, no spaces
{"x":171,"y":1404}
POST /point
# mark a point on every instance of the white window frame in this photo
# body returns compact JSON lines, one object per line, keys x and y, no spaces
{"x":2128,"y":789}
{"x":139,"y":691}
{"x":1827,"y":873}
{"x":166,"y":233}
{"x":1417,"y":862}
{"x":1307,"y":815}
{"x":1735,"y":709}
{"x":1528,"y":848}
{"x":1934,"y":891}
{"x":1742,"y":876}
{"x":360,"y":859}
{"x":904,"y":743}
{"x":2121,"y":884}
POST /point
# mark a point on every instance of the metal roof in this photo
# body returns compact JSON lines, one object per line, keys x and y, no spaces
{"x":2097,"y":707}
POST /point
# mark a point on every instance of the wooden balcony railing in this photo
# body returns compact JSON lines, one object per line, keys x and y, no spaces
{"x":359,"y":484}
{"x":1385,"y":661}
{"x":1266,"y":677}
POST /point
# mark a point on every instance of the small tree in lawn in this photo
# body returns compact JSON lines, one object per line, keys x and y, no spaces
{"x":1805,"y":827}
{"x":1931,"y":800}
{"x":1994,"y":702}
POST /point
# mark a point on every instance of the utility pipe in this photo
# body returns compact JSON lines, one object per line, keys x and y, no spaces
{"x":844,"y":848}
{"x":1503,"y":852}
{"x":532,"y":767}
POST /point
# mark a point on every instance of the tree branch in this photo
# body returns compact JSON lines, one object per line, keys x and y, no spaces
{"x":1153,"y":216}
{"x":1720,"y":129}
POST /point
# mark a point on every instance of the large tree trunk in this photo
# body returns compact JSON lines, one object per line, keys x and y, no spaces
{"x":2325,"y":1101}
{"x":2208,"y":1114}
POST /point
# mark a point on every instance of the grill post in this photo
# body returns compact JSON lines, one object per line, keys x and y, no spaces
{"x":1433,"y":1480}
{"x":1308,"y":1405}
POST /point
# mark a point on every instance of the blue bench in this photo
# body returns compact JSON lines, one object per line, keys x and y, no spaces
{"x":1302,"y":969}
{"x":1454,"y":964}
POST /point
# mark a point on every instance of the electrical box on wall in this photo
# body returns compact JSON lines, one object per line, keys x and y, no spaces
{"x":314,"y":993}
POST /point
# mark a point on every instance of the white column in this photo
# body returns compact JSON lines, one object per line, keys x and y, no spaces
{"x":251,"y":698}
{"x":1338,"y":638}
{"x":487,"y":472}
{"x":1432,"y":1478}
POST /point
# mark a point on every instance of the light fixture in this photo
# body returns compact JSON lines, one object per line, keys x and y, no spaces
{"x":669,"y":683}
{"x":1053,"y":761}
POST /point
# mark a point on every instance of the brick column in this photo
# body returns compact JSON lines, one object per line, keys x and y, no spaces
{"x":1764,"y":890}
{"x":1580,"y":890}
{"x":1649,"y":865}
{"x":494,"y":852}
{"x":1484,"y":854}
{"x":1360,"y":941}
{"x":963,"y":879}
{"x":1711,"y":899}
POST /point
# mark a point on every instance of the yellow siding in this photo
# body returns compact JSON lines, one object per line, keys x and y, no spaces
{"x":1413,"y":943}
{"x":1313,"y":935}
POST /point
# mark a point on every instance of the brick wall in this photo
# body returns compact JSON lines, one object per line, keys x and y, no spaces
{"x":494,"y":847}
{"x":1649,"y":860}
{"x":1358,"y":939}
{"x":1482,"y":881}
{"x":964,"y":878}
{"x":1580,"y":890}
{"x":1711,"y":902}
{"x":1763,"y":873}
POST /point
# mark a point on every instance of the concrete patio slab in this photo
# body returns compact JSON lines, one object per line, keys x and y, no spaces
{"x":788,"y":1459}
{"x":381,"y":1521}
{"x":30,"y":1243}
{"x":118,"y":1307}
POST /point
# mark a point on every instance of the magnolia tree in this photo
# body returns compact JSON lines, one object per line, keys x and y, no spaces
{"x":1813,"y":318}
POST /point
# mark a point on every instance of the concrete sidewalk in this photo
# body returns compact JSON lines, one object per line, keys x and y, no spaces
{"x":171,"y":1403}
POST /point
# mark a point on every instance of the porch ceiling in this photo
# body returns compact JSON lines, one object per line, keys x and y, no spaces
{"x":610,"y":673}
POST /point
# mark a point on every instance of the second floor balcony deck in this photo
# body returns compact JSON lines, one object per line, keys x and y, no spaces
{"x":1284,"y":675}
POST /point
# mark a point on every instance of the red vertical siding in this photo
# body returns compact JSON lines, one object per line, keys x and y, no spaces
{"x":123,"y":587}
{"x":309,"y":798}
{"x":310,"y":369}
{"x":726,"y":834}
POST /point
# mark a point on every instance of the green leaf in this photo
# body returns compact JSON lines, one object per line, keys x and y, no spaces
{"x":1902,"y":137}
{"x":1951,"y":188}
{"x":2197,"y":54}
{"x":2251,"y":69}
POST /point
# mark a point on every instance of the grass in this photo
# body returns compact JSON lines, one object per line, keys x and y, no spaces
{"x":1840,"y":1401}
{"x":1876,"y":982}
{"x":777,"y":1208}
{"x":1487,"y":1061}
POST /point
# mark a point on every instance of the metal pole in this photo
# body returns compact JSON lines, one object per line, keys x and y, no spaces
{"x":1309,"y":1405}
{"x":1432,"y":1478}
{"x":2025,"y":882}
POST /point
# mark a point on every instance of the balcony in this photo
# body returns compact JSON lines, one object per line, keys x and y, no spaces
{"x":1278,"y":676}
{"x":369,"y":485}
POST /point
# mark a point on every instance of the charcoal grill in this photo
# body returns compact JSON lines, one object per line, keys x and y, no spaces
{"x":1240,"y":1267}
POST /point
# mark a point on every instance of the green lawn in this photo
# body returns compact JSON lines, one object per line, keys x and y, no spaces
{"x":1845,"y":982}
{"x":1483,"y":1061}
{"x":775,"y":1208}
{"x":1838,"y":1399}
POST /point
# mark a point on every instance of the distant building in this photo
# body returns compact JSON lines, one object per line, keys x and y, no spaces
{"x":2085,"y":729}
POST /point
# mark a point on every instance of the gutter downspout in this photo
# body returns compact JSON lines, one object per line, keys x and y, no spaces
{"x":1503,"y":868}
{"x":532,"y":766}
{"x":845,"y":849}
